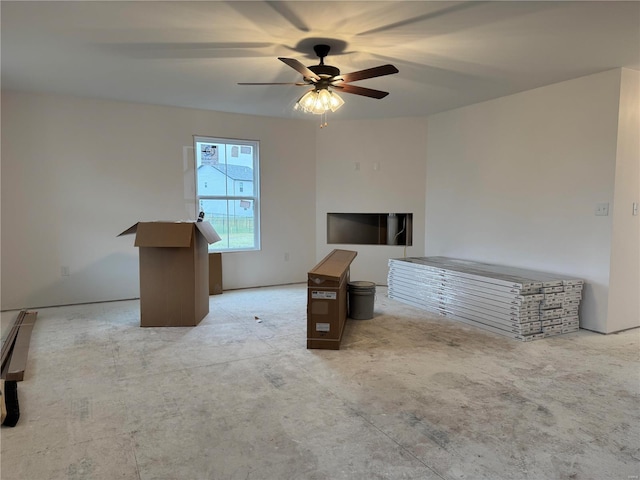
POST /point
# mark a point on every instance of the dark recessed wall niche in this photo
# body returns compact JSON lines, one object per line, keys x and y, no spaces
{"x":370,"y":228}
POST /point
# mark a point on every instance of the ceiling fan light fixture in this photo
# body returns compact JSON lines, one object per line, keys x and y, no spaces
{"x":324,"y":98}
{"x":319,"y":101}
{"x":307,"y":101}
{"x":318,"y":108}
{"x":336,"y":102}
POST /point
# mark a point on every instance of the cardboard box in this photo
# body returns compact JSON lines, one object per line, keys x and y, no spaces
{"x":215,"y":273}
{"x":326,"y":311}
{"x":174,"y":271}
{"x":331,"y":269}
{"x":327,"y":300}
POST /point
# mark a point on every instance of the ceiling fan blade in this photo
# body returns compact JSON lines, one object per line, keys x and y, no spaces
{"x":301,"y":84}
{"x":299,"y":67}
{"x":366,"y":92}
{"x":380,"y":71}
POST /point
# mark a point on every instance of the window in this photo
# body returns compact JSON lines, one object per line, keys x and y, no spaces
{"x":227,"y":191}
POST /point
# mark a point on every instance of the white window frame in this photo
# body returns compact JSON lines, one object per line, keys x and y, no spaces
{"x":255,"y":197}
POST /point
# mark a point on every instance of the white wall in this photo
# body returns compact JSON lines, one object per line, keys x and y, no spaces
{"x":76,"y":172}
{"x":512,"y":181}
{"x":398,"y":148}
{"x":515,"y":181}
{"x":624,"y":284}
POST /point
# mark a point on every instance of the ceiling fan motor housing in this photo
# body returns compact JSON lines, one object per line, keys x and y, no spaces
{"x":322,"y":70}
{"x":325,"y":70}
{"x":321,"y":50}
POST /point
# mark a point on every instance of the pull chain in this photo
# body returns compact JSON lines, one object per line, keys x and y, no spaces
{"x":323,"y":123}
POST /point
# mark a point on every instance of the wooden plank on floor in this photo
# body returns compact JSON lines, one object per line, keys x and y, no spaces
{"x":8,"y":341}
{"x":20,"y":352}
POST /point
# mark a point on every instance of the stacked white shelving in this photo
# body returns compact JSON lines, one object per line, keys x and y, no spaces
{"x":515,"y":302}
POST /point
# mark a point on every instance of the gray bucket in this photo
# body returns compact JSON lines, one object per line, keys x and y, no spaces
{"x":361,"y":300}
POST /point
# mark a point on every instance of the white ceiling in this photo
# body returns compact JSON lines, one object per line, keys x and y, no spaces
{"x":193,"y":54}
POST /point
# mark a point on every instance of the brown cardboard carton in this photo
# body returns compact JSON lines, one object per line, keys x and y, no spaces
{"x":331,"y":269}
{"x":215,"y":273}
{"x":327,"y":313}
{"x":174,"y":271}
{"x":327,"y":300}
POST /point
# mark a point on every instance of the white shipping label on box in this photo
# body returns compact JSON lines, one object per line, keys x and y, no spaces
{"x":323,"y":327}
{"x":317,"y":294}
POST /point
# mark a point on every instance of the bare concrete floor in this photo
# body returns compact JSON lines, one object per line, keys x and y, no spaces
{"x":409,"y":396}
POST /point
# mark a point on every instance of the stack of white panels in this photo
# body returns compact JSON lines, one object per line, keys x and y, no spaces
{"x":518,"y":303}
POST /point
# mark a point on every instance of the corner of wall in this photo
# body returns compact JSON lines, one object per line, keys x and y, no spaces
{"x":624,"y":277}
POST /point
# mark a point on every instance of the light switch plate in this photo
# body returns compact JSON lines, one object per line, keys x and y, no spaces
{"x":602,"y":209}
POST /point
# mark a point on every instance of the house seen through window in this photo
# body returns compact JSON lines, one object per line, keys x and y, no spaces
{"x":227,"y":190}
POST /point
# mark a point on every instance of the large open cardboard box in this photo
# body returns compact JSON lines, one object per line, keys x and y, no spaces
{"x":174,"y":271}
{"x":327,"y":300}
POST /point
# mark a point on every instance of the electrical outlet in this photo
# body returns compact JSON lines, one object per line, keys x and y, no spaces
{"x":602,"y":209}
{"x":286,"y":256}
{"x":64,"y":271}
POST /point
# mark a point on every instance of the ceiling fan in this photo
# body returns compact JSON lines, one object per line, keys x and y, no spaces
{"x":324,"y":77}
